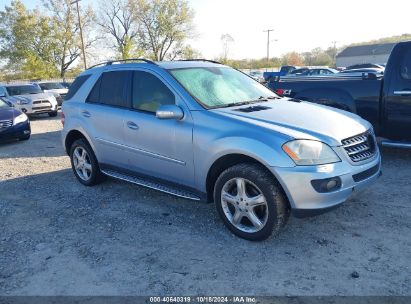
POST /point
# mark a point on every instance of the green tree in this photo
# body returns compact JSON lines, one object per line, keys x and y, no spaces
{"x":165,"y":25}
{"x":26,"y":42}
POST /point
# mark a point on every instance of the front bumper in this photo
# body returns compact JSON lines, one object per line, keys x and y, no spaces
{"x":306,"y":201}
{"x":20,"y":130}
{"x":31,"y":109}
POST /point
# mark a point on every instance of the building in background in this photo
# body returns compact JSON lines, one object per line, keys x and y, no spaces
{"x":373,"y":53}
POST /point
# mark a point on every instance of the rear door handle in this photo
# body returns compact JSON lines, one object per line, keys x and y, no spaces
{"x":132,"y":125}
{"x":405,"y":92}
{"x":86,"y":113}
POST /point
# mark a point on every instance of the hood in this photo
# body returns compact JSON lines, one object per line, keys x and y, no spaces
{"x":9,"y":113}
{"x":38,"y":96}
{"x":301,"y":120}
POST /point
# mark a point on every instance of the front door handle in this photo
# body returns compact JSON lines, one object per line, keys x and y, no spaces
{"x":132,"y":125}
{"x":86,"y":113}
{"x":405,"y":92}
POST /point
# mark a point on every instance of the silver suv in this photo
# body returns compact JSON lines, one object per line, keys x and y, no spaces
{"x":204,"y":131}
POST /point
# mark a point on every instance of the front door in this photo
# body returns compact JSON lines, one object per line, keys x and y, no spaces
{"x":397,"y":118}
{"x":159,"y":148}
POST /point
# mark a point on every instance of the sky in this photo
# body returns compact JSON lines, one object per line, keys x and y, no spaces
{"x":299,"y":25}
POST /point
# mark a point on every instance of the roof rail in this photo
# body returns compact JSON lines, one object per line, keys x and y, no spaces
{"x":200,"y":59}
{"x":105,"y":63}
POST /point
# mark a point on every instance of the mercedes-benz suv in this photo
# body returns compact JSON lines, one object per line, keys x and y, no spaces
{"x":204,"y":131}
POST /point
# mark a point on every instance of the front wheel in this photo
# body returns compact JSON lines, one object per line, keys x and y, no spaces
{"x":53,"y":114}
{"x":250,"y":202}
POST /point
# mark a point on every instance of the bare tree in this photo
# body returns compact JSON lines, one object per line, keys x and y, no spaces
{"x":164,"y":26}
{"x":226,"y":40}
{"x":66,"y":32}
{"x":117,"y":19}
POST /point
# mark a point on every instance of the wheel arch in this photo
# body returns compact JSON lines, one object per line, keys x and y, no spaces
{"x":74,"y":135}
{"x":226,"y":161}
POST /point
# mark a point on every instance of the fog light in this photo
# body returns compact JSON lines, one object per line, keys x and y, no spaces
{"x":331,"y":184}
{"x":327,"y":184}
{"x":26,"y":132}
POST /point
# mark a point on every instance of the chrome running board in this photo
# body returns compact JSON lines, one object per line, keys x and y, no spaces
{"x":396,"y":144}
{"x":152,"y":185}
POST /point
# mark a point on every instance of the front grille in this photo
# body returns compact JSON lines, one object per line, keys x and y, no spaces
{"x":40,"y":101}
{"x":360,"y":147}
{"x":5,"y":124}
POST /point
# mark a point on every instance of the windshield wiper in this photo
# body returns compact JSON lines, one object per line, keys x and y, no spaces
{"x":246,"y":102}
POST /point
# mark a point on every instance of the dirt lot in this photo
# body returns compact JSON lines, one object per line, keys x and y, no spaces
{"x":58,"y":237}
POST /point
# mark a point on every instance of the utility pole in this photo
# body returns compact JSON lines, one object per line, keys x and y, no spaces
{"x":268,"y":45}
{"x":81,"y":32}
{"x":335,"y":51}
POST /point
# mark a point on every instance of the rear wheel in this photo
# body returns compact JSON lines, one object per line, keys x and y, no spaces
{"x":250,"y":202}
{"x":84,"y":163}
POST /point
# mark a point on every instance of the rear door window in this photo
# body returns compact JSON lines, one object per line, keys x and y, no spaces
{"x":111,"y":89}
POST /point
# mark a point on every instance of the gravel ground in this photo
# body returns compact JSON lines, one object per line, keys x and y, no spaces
{"x":58,"y":237}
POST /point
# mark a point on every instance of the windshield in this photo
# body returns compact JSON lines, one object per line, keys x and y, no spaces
{"x":51,"y":86}
{"x":3,"y":104}
{"x":220,"y":86}
{"x":23,"y":90}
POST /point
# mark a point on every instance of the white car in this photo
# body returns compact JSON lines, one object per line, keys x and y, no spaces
{"x":30,"y":99}
{"x":55,"y":88}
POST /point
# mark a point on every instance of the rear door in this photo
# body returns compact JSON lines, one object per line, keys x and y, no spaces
{"x":397,"y":118}
{"x":104,"y":112}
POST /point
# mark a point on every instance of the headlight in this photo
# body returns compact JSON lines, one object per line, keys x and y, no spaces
{"x":310,"y":152}
{"x":21,"y":118}
{"x":23,"y":101}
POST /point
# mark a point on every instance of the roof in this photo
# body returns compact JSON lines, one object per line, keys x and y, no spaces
{"x":162,"y":64}
{"x":365,"y":50}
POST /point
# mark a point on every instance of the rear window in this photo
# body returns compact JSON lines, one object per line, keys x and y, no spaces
{"x":76,"y":85}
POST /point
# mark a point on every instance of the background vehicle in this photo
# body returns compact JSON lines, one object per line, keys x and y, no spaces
{"x":365,"y":66}
{"x":359,"y":72}
{"x":284,"y":70}
{"x":312,"y":72}
{"x":257,"y":75}
{"x":201,"y":130}
{"x":55,"y":88}
{"x":385,"y":101}
{"x":65,"y":84}
{"x":14,"y":124}
{"x":30,"y":99}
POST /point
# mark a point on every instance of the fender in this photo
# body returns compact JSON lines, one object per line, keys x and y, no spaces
{"x":267,"y":155}
{"x":336,"y":98}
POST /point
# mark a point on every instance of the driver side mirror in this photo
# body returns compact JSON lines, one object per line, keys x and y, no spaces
{"x":169,"y":112}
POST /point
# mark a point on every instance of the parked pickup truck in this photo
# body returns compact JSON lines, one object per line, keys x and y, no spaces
{"x":383,"y":100}
{"x":285,"y":70}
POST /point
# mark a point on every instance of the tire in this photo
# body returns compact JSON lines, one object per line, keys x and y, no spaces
{"x":260,"y":187}
{"x":93,"y":175}
{"x":53,"y":114}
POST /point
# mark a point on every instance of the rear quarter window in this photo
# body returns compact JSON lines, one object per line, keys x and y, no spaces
{"x":76,"y":85}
